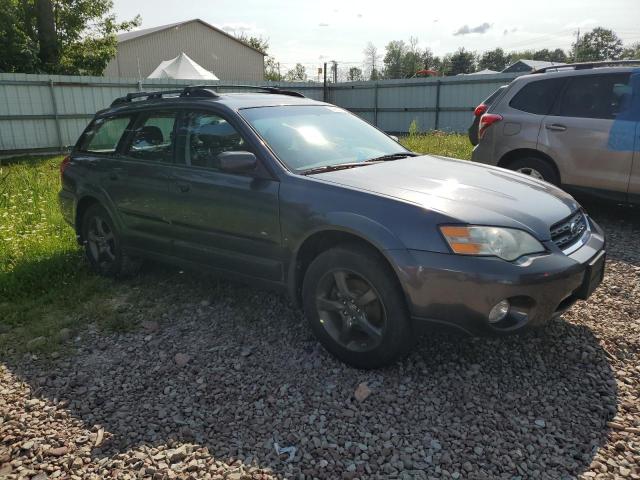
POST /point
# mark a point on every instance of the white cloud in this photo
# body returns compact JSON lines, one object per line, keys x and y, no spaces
{"x":465,"y":29}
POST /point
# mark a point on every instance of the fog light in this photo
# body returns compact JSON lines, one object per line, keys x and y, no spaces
{"x":499,"y":311}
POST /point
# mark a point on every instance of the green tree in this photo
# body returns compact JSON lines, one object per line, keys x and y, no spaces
{"x":355,"y":75}
{"x":493,"y":60}
{"x":632,"y":52}
{"x":413,"y":59}
{"x":74,"y":37}
{"x":429,"y":60}
{"x":599,"y":44}
{"x":259,"y":43}
{"x":296,"y":74}
{"x":394,"y":59}
{"x":272,"y":69}
{"x":462,"y":61}
{"x":547,"y":55}
{"x":19,"y":50}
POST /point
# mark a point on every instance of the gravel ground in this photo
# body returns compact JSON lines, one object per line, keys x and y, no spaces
{"x":219,"y":378}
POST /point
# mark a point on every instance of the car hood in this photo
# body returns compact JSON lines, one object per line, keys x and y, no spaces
{"x":463,"y":191}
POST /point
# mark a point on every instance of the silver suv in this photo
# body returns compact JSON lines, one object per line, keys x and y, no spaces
{"x":577,"y":126}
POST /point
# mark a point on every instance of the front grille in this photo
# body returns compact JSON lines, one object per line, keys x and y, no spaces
{"x":567,"y":232}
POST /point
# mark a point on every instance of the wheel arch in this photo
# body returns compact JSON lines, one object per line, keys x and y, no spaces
{"x":81,"y":208}
{"x":322,"y":240}
{"x":516,"y":154}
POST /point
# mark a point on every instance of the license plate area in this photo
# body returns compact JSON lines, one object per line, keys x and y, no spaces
{"x":593,"y":275}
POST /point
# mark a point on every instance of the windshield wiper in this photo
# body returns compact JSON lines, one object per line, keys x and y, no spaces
{"x":392,"y":156}
{"x":332,"y":168}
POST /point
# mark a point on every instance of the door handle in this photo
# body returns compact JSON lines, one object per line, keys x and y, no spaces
{"x":556,"y":127}
{"x":184,"y":186}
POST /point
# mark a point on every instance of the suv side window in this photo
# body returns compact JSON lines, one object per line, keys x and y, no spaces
{"x":204,"y":135}
{"x":153,"y":137}
{"x":537,"y":97}
{"x":595,"y":96}
{"x":104,"y":134}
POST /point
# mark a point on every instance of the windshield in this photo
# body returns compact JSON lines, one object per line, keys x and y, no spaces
{"x":310,"y":136}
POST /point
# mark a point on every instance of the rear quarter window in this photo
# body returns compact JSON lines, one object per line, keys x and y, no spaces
{"x":537,"y":97}
{"x":104,"y":134}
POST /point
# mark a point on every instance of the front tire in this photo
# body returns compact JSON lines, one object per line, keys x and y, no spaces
{"x":103,"y":245}
{"x":537,"y":168}
{"x":356,"y":308}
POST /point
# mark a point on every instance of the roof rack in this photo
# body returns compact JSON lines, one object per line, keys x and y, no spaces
{"x":587,"y":65}
{"x":265,"y":89}
{"x":200,"y":91}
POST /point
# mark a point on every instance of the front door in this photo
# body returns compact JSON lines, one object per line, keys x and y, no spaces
{"x":138,"y":183}
{"x":586,"y":135}
{"x":228,"y":220}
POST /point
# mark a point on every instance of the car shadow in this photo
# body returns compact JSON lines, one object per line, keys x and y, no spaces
{"x":251,"y":374}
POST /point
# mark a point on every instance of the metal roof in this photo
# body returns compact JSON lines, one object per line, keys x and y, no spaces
{"x":126,"y":36}
{"x":534,"y":64}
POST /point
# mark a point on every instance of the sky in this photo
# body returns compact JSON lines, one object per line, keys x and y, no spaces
{"x":314,"y":32}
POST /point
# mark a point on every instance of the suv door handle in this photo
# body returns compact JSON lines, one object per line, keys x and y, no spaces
{"x":184,"y":186}
{"x":556,"y":127}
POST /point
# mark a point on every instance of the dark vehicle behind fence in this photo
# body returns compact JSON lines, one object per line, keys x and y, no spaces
{"x":372,"y":240}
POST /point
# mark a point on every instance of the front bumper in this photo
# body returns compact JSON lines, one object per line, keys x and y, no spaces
{"x":460,"y":291}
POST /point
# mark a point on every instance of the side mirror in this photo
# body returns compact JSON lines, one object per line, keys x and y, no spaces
{"x":237,"y":162}
{"x":394,"y":137}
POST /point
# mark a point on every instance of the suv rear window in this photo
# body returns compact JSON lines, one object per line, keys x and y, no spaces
{"x":595,"y":96}
{"x":104,"y":134}
{"x":537,"y":97}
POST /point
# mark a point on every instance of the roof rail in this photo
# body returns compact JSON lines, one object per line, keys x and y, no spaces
{"x":266,"y":89}
{"x":587,"y":65}
{"x":200,"y":91}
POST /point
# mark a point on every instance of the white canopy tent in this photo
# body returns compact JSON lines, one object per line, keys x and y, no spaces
{"x":182,"y":68}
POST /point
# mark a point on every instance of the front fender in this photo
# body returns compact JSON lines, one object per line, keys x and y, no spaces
{"x":360,"y":226}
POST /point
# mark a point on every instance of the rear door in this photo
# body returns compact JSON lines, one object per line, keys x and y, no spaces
{"x":229,"y":221}
{"x":633,"y":114}
{"x":138,"y":183}
{"x":522,"y":115}
{"x":586,"y":135}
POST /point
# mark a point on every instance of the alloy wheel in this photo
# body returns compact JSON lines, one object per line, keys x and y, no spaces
{"x":532,"y":172}
{"x":101,"y":242}
{"x":350,"y":310}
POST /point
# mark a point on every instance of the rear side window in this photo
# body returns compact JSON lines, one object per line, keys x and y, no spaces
{"x":490,"y":99}
{"x":104,"y":134}
{"x":596,"y":96}
{"x":537,"y":97}
{"x":153,"y":137}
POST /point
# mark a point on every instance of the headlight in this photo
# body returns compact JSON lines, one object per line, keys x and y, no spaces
{"x":506,"y":243}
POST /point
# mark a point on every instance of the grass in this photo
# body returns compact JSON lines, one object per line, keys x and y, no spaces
{"x":439,"y":143}
{"x":45,"y":286}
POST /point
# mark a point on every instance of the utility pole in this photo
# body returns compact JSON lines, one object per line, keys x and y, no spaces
{"x":575,"y":50}
{"x":335,"y":71}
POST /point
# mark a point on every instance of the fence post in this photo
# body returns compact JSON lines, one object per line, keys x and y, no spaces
{"x":437,"y":122}
{"x":56,"y":116}
{"x":375,"y":104}
{"x":324,"y":85}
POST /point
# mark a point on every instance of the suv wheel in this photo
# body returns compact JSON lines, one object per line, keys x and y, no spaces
{"x":536,"y":168}
{"x":355,"y":308}
{"x":102,"y":245}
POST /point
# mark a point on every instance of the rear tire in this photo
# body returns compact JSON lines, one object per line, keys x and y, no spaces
{"x":535,"y":167}
{"x":356,"y":308}
{"x":103,"y":245}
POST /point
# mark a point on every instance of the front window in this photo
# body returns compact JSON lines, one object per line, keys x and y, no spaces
{"x":306,"y":137}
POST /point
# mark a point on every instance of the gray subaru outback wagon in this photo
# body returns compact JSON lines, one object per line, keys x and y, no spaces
{"x":302,"y":196}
